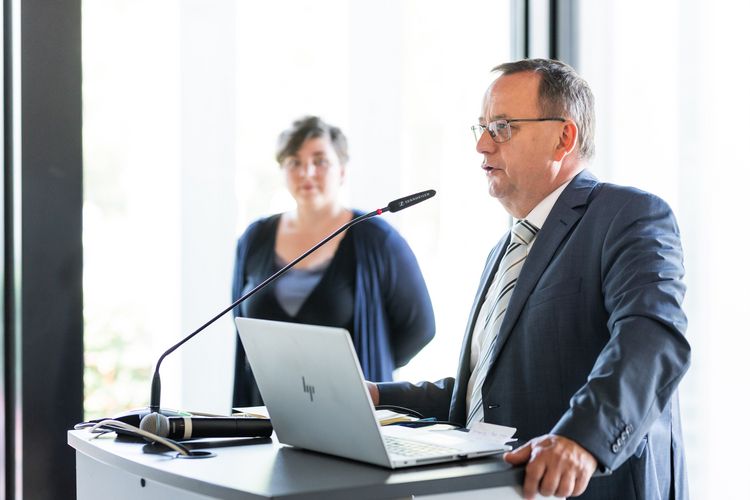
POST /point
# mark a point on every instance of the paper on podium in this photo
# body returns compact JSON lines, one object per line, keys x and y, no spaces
{"x":251,"y":411}
{"x":492,"y":432}
{"x":496,"y":436}
{"x":388,"y":417}
{"x":385,"y":417}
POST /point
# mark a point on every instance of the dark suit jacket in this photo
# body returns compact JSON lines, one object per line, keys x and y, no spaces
{"x":592,"y":346}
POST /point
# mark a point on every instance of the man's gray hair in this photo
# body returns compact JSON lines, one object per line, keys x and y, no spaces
{"x":562,"y":92}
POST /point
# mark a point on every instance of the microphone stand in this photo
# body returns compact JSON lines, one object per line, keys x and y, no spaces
{"x":155,"y":404}
{"x":134,"y":417}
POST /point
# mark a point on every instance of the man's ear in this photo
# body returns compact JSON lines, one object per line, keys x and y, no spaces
{"x":567,"y":140}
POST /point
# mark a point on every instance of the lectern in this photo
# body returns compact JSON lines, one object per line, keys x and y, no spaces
{"x":261,"y":468}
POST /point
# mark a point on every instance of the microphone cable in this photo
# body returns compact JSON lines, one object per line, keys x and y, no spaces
{"x":106,"y":426}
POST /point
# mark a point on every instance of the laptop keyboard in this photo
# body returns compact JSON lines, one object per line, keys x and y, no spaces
{"x":409,"y":448}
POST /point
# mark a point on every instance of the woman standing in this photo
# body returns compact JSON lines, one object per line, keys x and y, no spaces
{"x":366,"y":280}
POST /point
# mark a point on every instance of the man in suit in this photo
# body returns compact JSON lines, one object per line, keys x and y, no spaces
{"x":576,"y":335}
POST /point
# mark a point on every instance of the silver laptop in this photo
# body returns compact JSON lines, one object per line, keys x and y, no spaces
{"x":317,"y":399}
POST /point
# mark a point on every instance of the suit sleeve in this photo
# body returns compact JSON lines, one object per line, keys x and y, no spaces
{"x":638,"y":370}
{"x":431,"y":399}
{"x":411,"y":319}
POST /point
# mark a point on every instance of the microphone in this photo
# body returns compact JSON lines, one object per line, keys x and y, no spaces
{"x":200,"y":427}
{"x":394,"y":206}
{"x":408,"y":201}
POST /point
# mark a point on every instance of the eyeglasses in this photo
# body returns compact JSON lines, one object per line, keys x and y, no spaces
{"x":293,"y":164}
{"x":499,"y":130}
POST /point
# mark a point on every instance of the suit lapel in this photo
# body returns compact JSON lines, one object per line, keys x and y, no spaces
{"x":560,"y":221}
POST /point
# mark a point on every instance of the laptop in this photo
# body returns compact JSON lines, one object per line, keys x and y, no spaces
{"x":315,"y":394}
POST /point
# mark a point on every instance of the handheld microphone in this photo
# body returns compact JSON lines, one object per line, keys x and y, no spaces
{"x":394,"y":206}
{"x":200,"y":427}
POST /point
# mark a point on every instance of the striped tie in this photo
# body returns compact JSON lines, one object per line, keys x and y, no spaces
{"x":493,"y":311}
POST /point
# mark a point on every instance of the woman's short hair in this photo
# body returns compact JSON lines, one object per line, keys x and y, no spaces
{"x":310,"y":127}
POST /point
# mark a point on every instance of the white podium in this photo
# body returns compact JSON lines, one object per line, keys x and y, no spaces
{"x":262,"y":468}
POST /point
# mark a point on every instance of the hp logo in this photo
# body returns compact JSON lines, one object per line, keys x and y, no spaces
{"x":310,"y":389}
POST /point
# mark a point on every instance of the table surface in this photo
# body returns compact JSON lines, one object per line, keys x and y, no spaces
{"x":264,"y":468}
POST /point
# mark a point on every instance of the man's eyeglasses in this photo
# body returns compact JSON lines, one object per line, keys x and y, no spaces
{"x":499,"y":130}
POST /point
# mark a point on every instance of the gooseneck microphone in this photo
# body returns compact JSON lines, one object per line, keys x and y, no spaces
{"x":408,"y":201}
{"x":201,"y":427}
{"x":394,"y":206}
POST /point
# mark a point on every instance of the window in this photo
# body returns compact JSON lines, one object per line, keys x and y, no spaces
{"x":180,"y":124}
{"x":672,"y":119}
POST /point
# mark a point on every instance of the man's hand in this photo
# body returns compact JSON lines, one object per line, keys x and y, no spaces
{"x":555,"y":465}
{"x":374,"y":393}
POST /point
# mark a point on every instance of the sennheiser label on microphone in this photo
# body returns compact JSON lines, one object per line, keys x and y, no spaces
{"x":410,"y":200}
